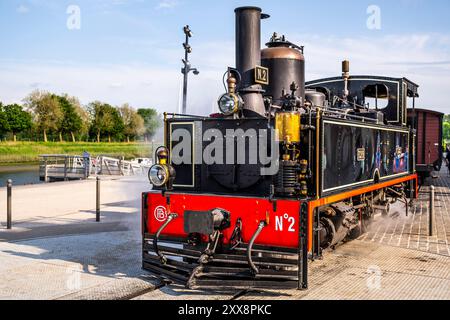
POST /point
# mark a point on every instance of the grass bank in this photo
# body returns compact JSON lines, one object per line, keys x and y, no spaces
{"x":28,"y":152}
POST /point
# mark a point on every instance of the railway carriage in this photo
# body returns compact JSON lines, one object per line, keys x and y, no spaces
{"x":429,"y":142}
{"x":286,"y":170}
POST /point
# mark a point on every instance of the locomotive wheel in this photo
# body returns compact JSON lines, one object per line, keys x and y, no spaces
{"x":355,"y":233}
{"x":367,"y":219}
{"x":386,"y":211}
{"x":362,"y":228}
{"x":327,"y":233}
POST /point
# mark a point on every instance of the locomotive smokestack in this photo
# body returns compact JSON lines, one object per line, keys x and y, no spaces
{"x":248,"y":56}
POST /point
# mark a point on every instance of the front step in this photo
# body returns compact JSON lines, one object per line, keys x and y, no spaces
{"x":278,"y":267}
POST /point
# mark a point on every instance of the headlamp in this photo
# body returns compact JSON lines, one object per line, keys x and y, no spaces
{"x":158,"y":175}
{"x":162,"y":174}
{"x":229,"y":103}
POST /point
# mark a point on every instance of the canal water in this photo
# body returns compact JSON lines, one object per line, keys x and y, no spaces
{"x":20,"y":174}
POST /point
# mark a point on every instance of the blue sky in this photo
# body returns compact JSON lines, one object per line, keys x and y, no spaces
{"x":130,"y":50}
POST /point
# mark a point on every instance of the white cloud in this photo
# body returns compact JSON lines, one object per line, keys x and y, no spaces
{"x":167,"y":4}
{"x":23,"y":9}
{"x":423,"y":58}
{"x":139,"y":85}
{"x":116,"y":85}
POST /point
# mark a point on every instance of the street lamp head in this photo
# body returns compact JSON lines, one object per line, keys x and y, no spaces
{"x":196,"y":72}
{"x":187,"y":47}
{"x":187,"y":31}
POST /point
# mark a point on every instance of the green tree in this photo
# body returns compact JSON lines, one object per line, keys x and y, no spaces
{"x":152,"y":122}
{"x":46,"y":110}
{"x":85,"y":121}
{"x":99,"y":118}
{"x":134,"y":124}
{"x":446,"y":132}
{"x":4,"y":126}
{"x":105,"y":120}
{"x":118,"y":126}
{"x":71,"y":121}
{"x":18,"y":119}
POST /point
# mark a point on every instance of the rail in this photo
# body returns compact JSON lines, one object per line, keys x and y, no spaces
{"x":118,"y":167}
{"x":67,"y":167}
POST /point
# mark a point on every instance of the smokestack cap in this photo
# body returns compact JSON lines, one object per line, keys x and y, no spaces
{"x":263,"y":15}
{"x":248,"y":8}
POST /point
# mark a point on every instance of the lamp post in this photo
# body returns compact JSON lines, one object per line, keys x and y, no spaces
{"x":187,"y":65}
{"x":153,"y":152}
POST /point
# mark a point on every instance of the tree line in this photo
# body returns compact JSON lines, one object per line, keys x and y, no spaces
{"x":446,"y":130}
{"x":45,"y":116}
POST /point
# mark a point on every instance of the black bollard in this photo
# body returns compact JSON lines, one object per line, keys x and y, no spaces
{"x":9,"y":204}
{"x":97,"y":210}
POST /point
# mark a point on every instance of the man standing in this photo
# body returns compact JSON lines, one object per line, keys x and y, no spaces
{"x":87,"y":163}
{"x":447,"y":159}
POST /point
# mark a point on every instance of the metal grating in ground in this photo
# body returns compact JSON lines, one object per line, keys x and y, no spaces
{"x":412,"y":232}
{"x":359,"y":270}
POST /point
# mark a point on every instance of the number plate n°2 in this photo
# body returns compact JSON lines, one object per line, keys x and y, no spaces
{"x":262,"y":75}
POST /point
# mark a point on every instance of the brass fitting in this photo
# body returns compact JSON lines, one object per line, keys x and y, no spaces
{"x":303,"y":167}
{"x":231,"y":84}
{"x":162,"y":156}
{"x":303,"y":188}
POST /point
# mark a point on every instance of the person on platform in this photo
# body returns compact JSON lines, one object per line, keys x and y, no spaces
{"x":447,"y":158}
{"x":87,"y":163}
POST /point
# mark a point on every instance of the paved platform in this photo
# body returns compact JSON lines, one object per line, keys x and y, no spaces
{"x":57,"y":250}
{"x":67,"y":255}
{"x":64,"y":208}
{"x":412,"y":232}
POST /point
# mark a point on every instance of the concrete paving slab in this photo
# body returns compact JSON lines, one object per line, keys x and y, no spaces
{"x":44,"y":201}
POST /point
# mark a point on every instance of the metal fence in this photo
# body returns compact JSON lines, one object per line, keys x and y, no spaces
{"x":66,"y":167}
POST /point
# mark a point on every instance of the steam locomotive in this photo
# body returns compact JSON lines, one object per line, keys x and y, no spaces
{"x":286,"y":170}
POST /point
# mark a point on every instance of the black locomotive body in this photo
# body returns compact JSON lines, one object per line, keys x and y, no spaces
{"x":388,"y":141}
{"x":283,"y":172}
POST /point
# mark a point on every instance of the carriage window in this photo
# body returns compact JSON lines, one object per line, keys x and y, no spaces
{"x":410,"y":97}
{"x":376,"y":96}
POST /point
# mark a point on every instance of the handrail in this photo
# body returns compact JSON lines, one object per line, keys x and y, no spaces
{"x":66,"y":167}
